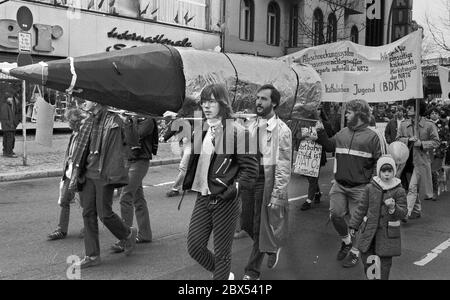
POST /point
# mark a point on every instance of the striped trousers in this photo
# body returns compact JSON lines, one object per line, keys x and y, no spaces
{"x":220,"y":219}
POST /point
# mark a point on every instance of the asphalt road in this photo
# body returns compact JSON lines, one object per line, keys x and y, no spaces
{"x":29,"y":211}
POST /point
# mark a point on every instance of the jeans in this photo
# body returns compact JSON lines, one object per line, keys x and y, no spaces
{"x":313,"y":187}
{"x":220,"y":219}
{"x":9,"y":139}
{"x":182,"y":168}
{"x":65,"y":198}
{"x":413,"y":199}
{"x":96,"y":199}
{"x":132,"y":196}
{"x":385,"y":263}
{"x":343,"y":201}
{"x":253,"y":268}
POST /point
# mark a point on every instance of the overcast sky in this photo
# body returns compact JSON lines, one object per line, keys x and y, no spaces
{"x":436,"y":10}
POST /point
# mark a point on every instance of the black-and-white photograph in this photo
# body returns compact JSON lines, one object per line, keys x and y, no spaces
{"x":216,"y":140}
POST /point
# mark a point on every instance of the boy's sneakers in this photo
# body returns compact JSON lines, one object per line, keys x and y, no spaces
{"x":343,"y":251}
{"x":130,"y":242}
{"x":306,"y":206}
{"x":57,"y":235}
{"x":118,"y":247}
{"x":231,"y":276}
{"x":350,"y":260}
{"x":272,"y":260}
{"x":89,"y":261}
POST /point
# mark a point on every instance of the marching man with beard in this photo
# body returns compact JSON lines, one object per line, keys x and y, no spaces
{"x":358,"y":149}
{"x":265,"y":204}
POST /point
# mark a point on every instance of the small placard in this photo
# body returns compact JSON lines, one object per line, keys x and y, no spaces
{"x":24,"y":42}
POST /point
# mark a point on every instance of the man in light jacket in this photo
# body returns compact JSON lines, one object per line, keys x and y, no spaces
{"x":421,"y":145}
{"x":265,"y":207}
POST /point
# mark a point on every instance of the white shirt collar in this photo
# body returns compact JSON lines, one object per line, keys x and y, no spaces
{"x":271,"y":123}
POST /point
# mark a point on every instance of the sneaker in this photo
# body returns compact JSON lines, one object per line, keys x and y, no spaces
{"x":130,"y":242}
{"x":240,"y":234}
{"x":343,"y":251}
{"x":231,"y":276}
{"x":10,"y":155}
{"x":306,"y":206}
{"x":140,"y":240}
{"x":414,"y":215}
{"x":350,"y":260}
{"x":317,"y":197}
{"x":272,"y":260}
{"x":57,"y":235}
{"x":248,"y":277}
{"x":118,"y":247}
{"x":172,"y":193}
{"x":89,"y":261}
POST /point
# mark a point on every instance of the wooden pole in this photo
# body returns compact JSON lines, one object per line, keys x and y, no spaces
{"x":416,"y":124}
{"x":343,"y":110}
{"x":24,"y":121}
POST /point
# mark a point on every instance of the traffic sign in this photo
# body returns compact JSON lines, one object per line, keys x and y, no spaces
{"x":24,"y":42}
{"x":24,"y":18}
{"x":24,"y":59}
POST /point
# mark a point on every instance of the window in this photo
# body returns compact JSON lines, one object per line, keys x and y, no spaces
{"x":247,"y":20}
{"x":318,"y":27}
{"x":332,"y":28}
{"x":273,"y":24}
{"x":293,"y":40}
{"x":354,"y":34}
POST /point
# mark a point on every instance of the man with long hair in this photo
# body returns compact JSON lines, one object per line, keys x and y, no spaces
{"x":358,"y":149}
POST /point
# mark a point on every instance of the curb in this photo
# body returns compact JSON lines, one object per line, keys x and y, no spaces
{"x":57,"y":173}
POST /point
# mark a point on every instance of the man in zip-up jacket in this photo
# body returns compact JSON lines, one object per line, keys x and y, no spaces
{"x":358,"y":149}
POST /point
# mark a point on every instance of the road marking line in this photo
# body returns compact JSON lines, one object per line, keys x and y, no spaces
{"x":158,"y":185}
{"x":433,"y":254}
{"x":298,"y":198}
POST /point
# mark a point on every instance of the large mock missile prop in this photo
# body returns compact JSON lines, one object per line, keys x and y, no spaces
{"x":156,"y":78}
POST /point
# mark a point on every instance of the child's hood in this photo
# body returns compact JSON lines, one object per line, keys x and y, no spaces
{"x":386,"y":160}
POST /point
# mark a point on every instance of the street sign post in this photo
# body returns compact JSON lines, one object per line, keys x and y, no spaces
{"x":24,"y":42}
{"x":24,"y":18}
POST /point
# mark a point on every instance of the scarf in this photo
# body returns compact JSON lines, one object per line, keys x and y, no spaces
{"x":91,"y":129}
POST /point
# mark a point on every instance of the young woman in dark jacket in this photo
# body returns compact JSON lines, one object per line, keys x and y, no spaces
{"x":216,"y":171}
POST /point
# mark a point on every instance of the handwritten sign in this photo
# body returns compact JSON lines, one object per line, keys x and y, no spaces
{"x":309,"y":154}
{"x":349,"y":71}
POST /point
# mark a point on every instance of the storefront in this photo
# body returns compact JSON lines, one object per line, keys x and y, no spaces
{"x":61,"y":31}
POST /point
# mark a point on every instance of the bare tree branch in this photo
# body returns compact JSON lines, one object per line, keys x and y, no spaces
{"x":440,"y":30}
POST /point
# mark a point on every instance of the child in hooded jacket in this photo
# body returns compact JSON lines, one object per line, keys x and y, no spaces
{"x":378,"y":219}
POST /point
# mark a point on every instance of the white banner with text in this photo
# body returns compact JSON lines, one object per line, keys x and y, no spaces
{"x":376,"y":74}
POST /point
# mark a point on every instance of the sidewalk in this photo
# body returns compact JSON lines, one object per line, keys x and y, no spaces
{"x":45,"y":162}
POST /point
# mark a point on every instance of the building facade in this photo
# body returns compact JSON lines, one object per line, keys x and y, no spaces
{"x":279,"y":27}
{"x":72,"y":28}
